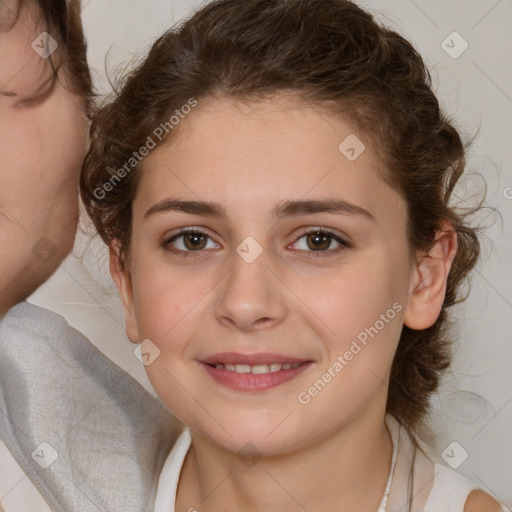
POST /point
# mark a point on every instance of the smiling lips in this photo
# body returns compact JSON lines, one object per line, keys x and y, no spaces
{"x":256,"y":372}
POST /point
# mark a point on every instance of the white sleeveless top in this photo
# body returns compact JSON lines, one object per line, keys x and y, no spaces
{"x":431,"y":487}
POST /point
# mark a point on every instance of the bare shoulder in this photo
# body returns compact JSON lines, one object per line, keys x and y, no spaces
{"x":480,"y":501}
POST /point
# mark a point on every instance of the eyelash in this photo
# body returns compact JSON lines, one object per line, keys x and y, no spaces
{"x":314,"y":254}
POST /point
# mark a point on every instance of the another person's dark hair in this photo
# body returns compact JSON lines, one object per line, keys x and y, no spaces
{"x":63,"y":18}
{"x":332,"y":55}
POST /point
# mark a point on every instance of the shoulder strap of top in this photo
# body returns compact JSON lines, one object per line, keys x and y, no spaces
{"x":413,"y":475}
{"x":421,"y":485}
{"x":450,"y":492}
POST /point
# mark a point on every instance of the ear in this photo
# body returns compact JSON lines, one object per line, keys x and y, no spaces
{"x":428,"y":283}
{"x":123,"y":282}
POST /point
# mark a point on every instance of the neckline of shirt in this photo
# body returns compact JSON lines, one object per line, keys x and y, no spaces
{"x":169,"y":477}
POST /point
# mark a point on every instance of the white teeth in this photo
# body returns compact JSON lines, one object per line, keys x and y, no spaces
{"x":242,"y":368}
{"x":256,"y":368}
{"x":260,"y":368}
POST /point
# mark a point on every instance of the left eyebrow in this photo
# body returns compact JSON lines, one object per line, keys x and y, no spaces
{"x":329,"y":205}
{"x":284,"y":209}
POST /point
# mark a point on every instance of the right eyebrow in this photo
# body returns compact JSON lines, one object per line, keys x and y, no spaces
{"x":202,"y":208}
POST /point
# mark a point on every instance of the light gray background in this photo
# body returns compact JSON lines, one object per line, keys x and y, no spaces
{"x":475,"y":88}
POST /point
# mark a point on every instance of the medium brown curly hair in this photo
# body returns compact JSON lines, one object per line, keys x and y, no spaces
{"x":334,"y":55}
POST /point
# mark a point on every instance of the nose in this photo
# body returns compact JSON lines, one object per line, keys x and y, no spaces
{"x":251,"y":297}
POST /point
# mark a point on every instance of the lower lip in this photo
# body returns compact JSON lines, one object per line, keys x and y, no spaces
{"x":254,"y":381}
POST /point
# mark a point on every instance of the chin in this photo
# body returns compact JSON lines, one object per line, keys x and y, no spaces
{"x":249,"y":436}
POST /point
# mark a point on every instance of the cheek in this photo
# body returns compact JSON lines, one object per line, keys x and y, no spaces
{"x":164,"y":300}
{"x":42,"y":151}
{"x":65,"y":137}
{"x":168,"y":314}
{"x":351,"y":299}
{"x":361,"y":314}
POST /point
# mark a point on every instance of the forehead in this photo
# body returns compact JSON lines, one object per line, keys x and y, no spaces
{"x":256,"y":155}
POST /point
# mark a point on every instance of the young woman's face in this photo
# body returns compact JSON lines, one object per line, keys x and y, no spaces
{"x":251,"y":288}
{"x":43,"y":136}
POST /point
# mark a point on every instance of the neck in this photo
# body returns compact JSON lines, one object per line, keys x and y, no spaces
{"x":346,"y":470}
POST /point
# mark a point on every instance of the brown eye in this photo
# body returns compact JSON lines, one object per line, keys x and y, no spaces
{"x":319,"y":241}
{"x":187,"y":242}
{"x":194,"y":241}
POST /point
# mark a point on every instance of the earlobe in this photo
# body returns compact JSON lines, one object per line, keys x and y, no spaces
{"x":124,"y":287}
{"x":428,"y":283}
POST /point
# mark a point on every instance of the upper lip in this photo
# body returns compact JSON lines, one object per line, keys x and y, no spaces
{"x":252,"y":359}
